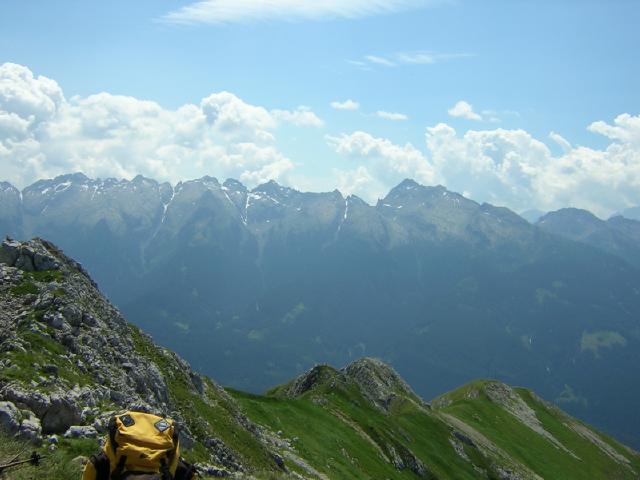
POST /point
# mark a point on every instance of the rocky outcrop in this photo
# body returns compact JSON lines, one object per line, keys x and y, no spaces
{"x":379,"y":383}
{"x":69,"y":360}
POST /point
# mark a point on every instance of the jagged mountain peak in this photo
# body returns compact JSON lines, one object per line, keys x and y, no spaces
{"x":274,"y":189}
{"x":236,"y":185}
{"x":356,"y":200}
{"x":6,"y":186}
{"x":208,"y":181}
{"x":410,"y":194}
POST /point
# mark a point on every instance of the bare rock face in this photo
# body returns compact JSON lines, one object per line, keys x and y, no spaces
{"x":379,"y":383}
{"x":29,"y":257}
{"x":9,"y":416}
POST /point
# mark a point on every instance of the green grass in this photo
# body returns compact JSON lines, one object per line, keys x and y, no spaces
{"x":58,"y":465}
{"x":343,"y":436}
{"x":211,"y":415}
{"x":530,"y":448}
{"x":28,"y":285}
{"x":24,"y":288}
{"x":41,"y":350}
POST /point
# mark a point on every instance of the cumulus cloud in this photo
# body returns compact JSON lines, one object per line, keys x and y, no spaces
{"x":562,"y":142}
{"x":300,"y":117}
{"x":504,"y":167}
{"x":234,"y":11}
{"x":391,"y":162}
{"x":346,"y":105}
{"x":626,"y":129}
{"x":237,"y":119}
{"x":360,"y":182}
{"x":43,"y":134}
{"x":512,"y":168}
{"x":394,"y":116}
{"x":26,"y":98}
{"x":463,"y":109}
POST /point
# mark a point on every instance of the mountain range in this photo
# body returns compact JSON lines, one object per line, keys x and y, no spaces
{"x":70,"y":361}
{"x":256,"y":286}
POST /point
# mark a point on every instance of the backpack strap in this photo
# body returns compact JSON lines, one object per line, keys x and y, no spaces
{"x":101,"y":464}
{"x":185,"y":471}
{"x":113,"y":429}
{"x":117,"y":473}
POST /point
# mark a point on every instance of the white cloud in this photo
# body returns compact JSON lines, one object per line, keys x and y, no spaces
{"x":346,"y":105}
{"x":237,"y":119}
{"x":626,"y":129}
{"x":360,"y":182}
{"x":504,"y":167}
{"x":379,"y":60}
{"x":243,"y":11}
{"x":28,"y":98}
{"x":300,"y":117}
{"x":391,"y":162}
{"x":427,"y":58}
{"x":562,"y":142}
{"x":394,"y":116}
{"x":42,"y":134}
{"x":463,"y":109}
{"x":406,"y":58}
{"x":512,"y":168}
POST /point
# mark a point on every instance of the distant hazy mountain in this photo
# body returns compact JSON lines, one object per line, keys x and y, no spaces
{"x":532,"y":216}
{"x":632,"y":213}
{"x":619,"y":236}
{"x":255,"y":286}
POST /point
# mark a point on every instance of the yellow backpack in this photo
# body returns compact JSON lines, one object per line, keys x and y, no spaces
{"x":140,"y":444}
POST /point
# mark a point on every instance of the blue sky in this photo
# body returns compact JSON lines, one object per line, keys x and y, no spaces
{"x":522,"y":69}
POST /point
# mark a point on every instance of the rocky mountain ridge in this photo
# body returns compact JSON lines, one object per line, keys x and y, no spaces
{"x":618,"y":235}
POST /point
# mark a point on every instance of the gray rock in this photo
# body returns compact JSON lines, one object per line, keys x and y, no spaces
{"x":9,"y":416}
{"x":73,"y":315}
{"x":35,"y":401}
{"x":9,"y":252}
{"x":56,"y":320}
{"x":29,"y":257}
{"x":62,"y":413}
{"x":88,"y":319}
{"x":31,"y":429}
{"x":81,"y":431}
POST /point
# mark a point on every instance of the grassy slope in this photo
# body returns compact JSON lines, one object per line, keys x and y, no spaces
{"x":343,"y":436}
{"x":212,"y":416}
{"x":322,"y":420}
{"x":531,"y":449}
{"x":58,"y":465}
